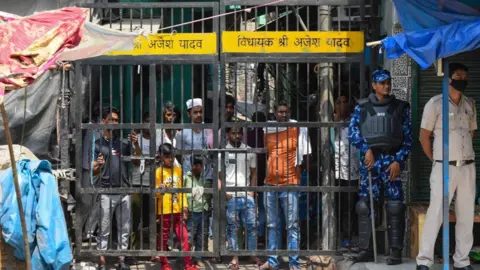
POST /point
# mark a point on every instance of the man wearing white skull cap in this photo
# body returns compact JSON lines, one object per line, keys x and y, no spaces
{"x":194,"y":103}
{"x":196,"y":139}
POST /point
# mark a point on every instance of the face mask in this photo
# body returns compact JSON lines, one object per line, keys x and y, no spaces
{"x":459,"y":85}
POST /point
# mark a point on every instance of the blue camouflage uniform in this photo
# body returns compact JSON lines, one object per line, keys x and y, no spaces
{"x":393,"y":189}
{"x":387,"y":147}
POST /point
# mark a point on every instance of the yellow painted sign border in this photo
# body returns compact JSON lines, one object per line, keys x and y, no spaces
{"x":293,"y":42}
{"x":171,"y":44}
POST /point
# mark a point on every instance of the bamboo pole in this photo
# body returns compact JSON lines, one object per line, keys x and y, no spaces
{"x":3,"y":112}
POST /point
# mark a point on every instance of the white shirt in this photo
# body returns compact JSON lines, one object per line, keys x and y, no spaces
{"x":237,"y":166}
{"x":187,"y":139}
{"x":462,"y":121}
{"x":346,"y":157}
{"x":164,"y":137}
{"x":136,"y":173}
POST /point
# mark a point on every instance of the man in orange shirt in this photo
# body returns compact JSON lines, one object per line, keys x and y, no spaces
{"x":285,"y":149}
{"x":172,"y":208}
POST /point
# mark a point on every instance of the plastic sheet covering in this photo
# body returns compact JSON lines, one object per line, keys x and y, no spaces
{"x":46,"y":227}
{"x":426,"y":46}
{"x":40,"y":115}
{"x":96,"y":41}
{"x":433,"y":31}
{"x":417,"y":15}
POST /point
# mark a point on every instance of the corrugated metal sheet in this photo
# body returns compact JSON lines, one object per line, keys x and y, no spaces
{"x":430,"y":85}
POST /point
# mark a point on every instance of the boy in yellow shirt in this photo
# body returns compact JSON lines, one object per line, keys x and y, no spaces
{"x":172,"y":208}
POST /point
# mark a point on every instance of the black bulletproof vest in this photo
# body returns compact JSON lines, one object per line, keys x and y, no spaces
{"x":381,"y":125}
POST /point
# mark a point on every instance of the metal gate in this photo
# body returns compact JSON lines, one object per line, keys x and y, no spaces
{"x":145,"y":88}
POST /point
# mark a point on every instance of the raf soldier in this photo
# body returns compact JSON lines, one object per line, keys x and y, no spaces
{"x":380,"y":128}
{"x":462,"y":125}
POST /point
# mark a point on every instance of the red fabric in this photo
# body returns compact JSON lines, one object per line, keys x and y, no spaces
{"x":29,"y":44}
{"x":180,"y":231}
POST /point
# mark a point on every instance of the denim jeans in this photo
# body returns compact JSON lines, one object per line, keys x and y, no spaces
{"x":261,"y":214}
{"x":241,"y":209}
{"x":197,"y":225}
{"x":288,"y":204}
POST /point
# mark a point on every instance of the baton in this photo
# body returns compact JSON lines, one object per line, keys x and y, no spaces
{"x":372,"y":217}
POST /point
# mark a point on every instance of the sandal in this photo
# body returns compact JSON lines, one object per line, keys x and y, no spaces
{"x":233,"y":266}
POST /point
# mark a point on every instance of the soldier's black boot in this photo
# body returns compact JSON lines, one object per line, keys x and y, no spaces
{"x":396,"y":230}
{"x":364,"y":232}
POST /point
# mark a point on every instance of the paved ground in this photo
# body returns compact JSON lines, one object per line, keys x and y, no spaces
{"x":408,"y":264}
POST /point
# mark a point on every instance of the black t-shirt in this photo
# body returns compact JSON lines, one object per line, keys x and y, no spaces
{"x":114,"y":172}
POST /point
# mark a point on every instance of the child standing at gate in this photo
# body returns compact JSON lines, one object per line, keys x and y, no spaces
{"x":198,"y":207}
{"x":172,"y":208}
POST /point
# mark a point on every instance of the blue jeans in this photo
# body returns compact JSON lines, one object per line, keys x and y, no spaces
{"x":288,"y":204}
{"x":195,"y":230}
{"x":241,"y":208}
{"x":261,"y":214}
{"x":261,"y":217}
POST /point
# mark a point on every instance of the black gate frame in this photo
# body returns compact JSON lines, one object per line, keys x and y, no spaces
{"x":219,"y":62}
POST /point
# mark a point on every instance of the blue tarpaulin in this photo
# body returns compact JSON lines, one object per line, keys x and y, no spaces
{"x":426,"y":46}
{"x":417,"y":15}
{"x":432,"y":32}
{"x":46,"y":227}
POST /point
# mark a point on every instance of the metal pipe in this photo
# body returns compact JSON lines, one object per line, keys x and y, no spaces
{"x":445,"y":143}
{"x":325,"y":80}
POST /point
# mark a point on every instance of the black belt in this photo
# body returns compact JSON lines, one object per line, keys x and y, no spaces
{"x":458,"y":163}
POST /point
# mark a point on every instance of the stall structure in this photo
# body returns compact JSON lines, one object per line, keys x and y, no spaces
{"x":433,"y":31}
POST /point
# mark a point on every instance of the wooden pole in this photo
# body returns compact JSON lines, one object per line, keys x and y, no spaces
{"x":17,"y":186}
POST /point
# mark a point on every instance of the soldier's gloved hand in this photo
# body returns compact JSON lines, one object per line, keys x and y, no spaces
{"x":369,"y":159}
{"x":394,"y":170}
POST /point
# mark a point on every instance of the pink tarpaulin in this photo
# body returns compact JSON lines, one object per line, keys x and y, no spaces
{"x":30,"y":44}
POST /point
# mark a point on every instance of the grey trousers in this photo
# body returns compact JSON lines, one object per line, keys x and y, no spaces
{"x":91,"y":206}
{"x":121,"y":205}
{"x":462,"y":181}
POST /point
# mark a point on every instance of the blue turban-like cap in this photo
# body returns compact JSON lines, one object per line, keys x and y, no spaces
{"x":380,"y":75}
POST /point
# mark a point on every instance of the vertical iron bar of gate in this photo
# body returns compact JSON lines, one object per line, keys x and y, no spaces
{"x":153,"y":120}
{"x":220,"y":238}
{"x":362,"y":57}
{"x":77,"y":101}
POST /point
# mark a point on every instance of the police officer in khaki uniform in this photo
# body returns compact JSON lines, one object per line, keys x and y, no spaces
{"x":462,"y":125}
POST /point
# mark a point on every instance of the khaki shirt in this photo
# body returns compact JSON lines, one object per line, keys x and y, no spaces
{"x":462,"y":121}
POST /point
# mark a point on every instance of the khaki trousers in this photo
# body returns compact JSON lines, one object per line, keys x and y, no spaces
{"x":462,"y":181}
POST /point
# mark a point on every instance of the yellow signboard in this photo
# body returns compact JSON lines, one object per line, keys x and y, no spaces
{"x":177,"y":43}
{"x":292,"y":42}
